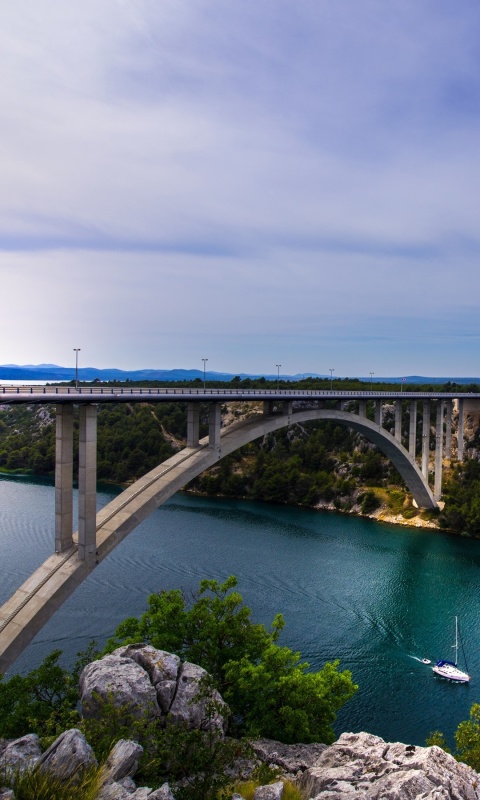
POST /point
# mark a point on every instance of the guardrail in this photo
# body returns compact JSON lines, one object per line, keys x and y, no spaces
{"x":82,"y":393}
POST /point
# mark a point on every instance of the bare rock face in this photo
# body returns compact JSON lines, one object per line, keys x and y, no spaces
{"x":68,"y":755}
{"x":162,"y":669}
{"x":121,"y":681}
{"x":360,"y":766}
{"x":20,"y":754}
{"x":122,"y":761}
{"x":291,"y":758}
{"x":274,"y":791}
{"x":186,"y":710}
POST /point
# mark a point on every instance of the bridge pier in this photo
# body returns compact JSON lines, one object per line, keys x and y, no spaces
{"x":362,"y":408}
{"x":448,"y":430}
{"x":437,"y":491}
{"x":412,"y":437}
{"x":87,"y":482}
{"x":193,"y":424}
{"x":398,"y":420}
{"x":214,"y":425}
{"x":460,"y":427}
{"x":63,"y":478}
{"x":425,"y":438}
{"x":378,"y":413}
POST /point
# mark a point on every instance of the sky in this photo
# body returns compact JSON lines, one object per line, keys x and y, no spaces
{"x":256,"y":182}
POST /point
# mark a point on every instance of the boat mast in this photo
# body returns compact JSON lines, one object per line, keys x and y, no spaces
{"x":456,"y":641}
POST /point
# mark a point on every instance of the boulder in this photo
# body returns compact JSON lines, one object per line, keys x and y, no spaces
{"x":360,"y":766}
{"x":20,"y":754}
{"x":273,"y":791}
{"x":121,"y":681}
{"x":193,"y":712}
{"x":122,"y":760}
{"x":68,"y":755}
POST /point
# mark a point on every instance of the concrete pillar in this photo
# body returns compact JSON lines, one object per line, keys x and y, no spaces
{"x":378,"y":412}
{"x":362,"y":408}
{"x":425,"y":438}
{"x":288,"y":407}
{"x":193,"y":424}
{"x":448,"y":429}
{"x":412,"y":434}
{"x":214,"y":424}
{"x":437,"y":491}
{"x":87,"y":481}
{"x":460,"y":427}
{"x":64,"y":478}
{"x":268,"y":406}
{"x":398,"y":420}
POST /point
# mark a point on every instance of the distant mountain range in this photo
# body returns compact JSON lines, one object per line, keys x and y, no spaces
{"x":52,"y":372}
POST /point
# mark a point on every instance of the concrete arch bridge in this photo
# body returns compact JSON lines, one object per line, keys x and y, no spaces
{"x":77,"y":554}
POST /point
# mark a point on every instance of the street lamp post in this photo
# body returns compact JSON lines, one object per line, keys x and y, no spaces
{"x":76,"y":351}
{"x":204,"y":362}
{"x":278,"y":375}
{"x":331,"y":371}
{"x":371,"y":376}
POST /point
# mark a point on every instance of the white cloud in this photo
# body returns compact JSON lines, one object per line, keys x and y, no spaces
{"x":242,"y":162}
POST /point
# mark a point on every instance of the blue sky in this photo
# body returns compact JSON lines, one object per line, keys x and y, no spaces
{"x":278,"y":181}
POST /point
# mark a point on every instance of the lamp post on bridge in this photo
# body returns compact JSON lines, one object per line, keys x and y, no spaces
{"x":331,"y":371}
{"x":371,"y":376}
{"x":204,"y":362}
{"x":76,"y":351}
{"x":278,"y":375}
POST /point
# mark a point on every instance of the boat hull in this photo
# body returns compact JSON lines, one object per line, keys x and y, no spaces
{"x":450,"y":671}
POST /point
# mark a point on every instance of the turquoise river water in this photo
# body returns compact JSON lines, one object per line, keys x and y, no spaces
{"x":378,"y":597}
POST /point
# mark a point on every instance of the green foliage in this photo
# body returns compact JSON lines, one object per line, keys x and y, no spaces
{"x":437,"y":738}
{"x":462,"y":499}
{"x":269,"y":692}
{"x":467,"y":739}
{"x":369,"y":502}
{"x":44,"y":701}
{"x":279,"y":699}
{"x":216,"y":628}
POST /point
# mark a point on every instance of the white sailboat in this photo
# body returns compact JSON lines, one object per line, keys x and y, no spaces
{"x":449,"y":669}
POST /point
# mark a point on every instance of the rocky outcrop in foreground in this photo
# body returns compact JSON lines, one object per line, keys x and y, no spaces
{"x":154,"y":683}
{"x":359,"y":766}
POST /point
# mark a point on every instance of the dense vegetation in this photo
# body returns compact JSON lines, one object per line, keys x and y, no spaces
{"x":269,"y":690}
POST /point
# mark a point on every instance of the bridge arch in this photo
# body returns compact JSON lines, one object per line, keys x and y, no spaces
{"x":35,"y":602}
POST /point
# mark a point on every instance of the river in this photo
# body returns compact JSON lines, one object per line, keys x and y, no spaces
{"x":378,"y":597}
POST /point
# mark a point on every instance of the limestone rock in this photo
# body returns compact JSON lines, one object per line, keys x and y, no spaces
{"x":122,"y":760}
{"x":114,"y":791}
{"x":160,"y":665}
{"x":364,"y":767}
{"x":121,"y":681}
{"x":68,"y":755}
{"x":128,"y":783}
{"x":274,"y":791}
{"x":163,"y":793}
{"x":6,"y":794}
{"x":291,"y":758}
{"x":184,"y":707}
{"x":165,"y":694}
{"x":20,"y":754}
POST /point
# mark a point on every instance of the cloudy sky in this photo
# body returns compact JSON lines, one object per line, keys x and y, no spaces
{"x":252,"y":181}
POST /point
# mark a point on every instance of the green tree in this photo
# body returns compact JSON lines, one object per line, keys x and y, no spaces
{"x":269,"y":691}
{"x":278,"y":698}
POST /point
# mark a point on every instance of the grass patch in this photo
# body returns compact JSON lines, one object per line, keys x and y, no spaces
{"x":38,"y":785}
